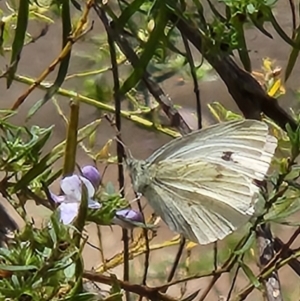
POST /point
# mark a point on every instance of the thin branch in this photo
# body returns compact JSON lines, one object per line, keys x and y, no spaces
{"x":248,"y":94}
{"x":265,"y":274}
{"x":189,"y":57}
{"x":233,"y":282}
{"x":159,"y":95}
{"x":215,"y":255}
{"x":141,"y":290}
{"x":80,"y":25}
{"x":176,"y":262}
{"x":130,"y":115}
{"x":147,"y":252}
{"x":293,"y":11}
{"x":294,"y":264}
{"x":120,"y":147}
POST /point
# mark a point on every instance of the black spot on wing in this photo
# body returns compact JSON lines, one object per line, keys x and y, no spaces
{"x":227,"y":156}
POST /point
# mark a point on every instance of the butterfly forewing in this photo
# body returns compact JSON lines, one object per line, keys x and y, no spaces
{"x":245,"y":145}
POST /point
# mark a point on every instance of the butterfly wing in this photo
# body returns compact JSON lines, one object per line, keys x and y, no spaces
{"x":202,"y":185}
{"x":243,"y":146}
{"x":203,"y":208}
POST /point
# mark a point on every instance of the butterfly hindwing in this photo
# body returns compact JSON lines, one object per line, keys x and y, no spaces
{"x":212,"y":206}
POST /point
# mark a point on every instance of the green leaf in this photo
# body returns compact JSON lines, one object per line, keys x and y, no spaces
{"x":110,"y":188}
{"x":279,"y":30}
{"x":5,"y":254}
{"x":250,"y":8}
{"x":80,"y":297}
{"x":115,"y":288}
{"x":259,"y":24}
{"x":128,"y":12}
{"x":161,"y":21}
{"x":294,"y":137}
{"x":18,"y":268}
{"x":293,"y":56}
{"x":246,"y":246}
{"x":53,"y":231}
{"x":242,"y":45}
{"x":281,"y":210}
{"x":64,"y":64}
{"x":216,"y":12}
{"x":53,"y":156}
{"x":69,"y":271}
{"x":19,"y":39}
{"x":248,"y":272}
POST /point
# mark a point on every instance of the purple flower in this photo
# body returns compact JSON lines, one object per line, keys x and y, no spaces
{"x":92,"y":174}
{"x":127,"y":217}
{"x":70,"y":201}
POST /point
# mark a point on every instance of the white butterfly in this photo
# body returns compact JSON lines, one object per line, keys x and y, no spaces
{"x":203,"y":184}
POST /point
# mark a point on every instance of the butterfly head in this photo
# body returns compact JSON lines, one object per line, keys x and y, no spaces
{"x":139,"y":173}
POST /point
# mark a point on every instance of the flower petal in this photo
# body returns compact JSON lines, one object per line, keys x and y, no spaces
{"x":57,"y":198}
{"x":68,"y":212}
{"x":127,"y":217}
{"x":72,"y":188}
{"x":130,"y":214}
{"x":93,"y":204}
{"x":92,"y":174}
{"x":89,"y":186}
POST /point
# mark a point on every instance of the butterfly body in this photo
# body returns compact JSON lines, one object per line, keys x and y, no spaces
{"x":203,"y":185}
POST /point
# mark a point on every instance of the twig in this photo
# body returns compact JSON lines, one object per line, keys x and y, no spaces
{"x":83,"y":20}
{"x":137,"y":248}
{"x":100,"y":105}
{"x":120,"y":147}
{"x":294,"y":263}
{"x":215,"y":255}
{"x":141,"y":290}
{"x":287,"y":245}
{"x":226,"y":267}
{"x":248,"y":94}
{"x":147,"y":252}
{"x":176,"y":262}
{"x":159,"y":95}
{"x":233,"y":283}
{"x":264,"y":274}
{"x":195,"y":81}
{"x":293,"y":11}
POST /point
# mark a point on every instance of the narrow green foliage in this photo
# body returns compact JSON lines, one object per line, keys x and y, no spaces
{"x":19,"y":39}
{"x":250,"y":275}
{"x":293,"y":56}
{"x":57,"y":152}
{"x":64,"y":64}
{"x":157,"y":33}
{"x":71,"y":142}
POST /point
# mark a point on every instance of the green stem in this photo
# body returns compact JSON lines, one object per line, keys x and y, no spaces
{"x":102,"y":106}
{"x":71,"y":143}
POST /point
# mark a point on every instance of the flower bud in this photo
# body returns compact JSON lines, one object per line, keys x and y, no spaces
{"x":130,"y":214}
{"x":92,"y":174}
